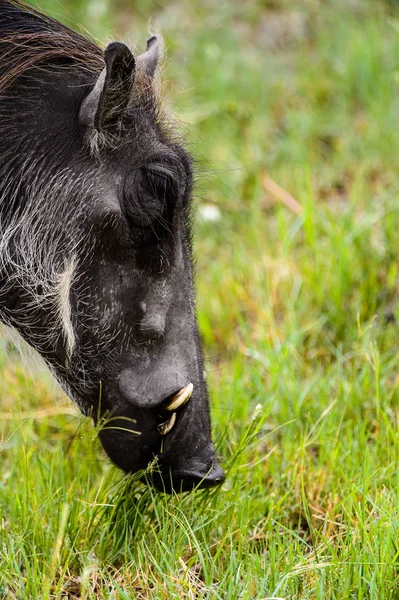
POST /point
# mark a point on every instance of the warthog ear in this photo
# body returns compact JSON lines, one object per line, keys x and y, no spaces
{"x":105,"y":104}
{"x":149,"y":59}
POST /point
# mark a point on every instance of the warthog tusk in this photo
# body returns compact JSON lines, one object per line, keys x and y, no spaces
{"x":164,"y":428}
{"x":178,"y":400}
{"x":181,"y":398}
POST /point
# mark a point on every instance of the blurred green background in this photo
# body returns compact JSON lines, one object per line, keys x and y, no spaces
{"x":290,"y":110}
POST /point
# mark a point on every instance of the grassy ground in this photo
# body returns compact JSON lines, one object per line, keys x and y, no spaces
{"x":299,"y":315}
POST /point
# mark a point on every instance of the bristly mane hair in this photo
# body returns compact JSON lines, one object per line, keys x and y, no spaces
{"x":30,"y":231}
{"x":29,"y":38}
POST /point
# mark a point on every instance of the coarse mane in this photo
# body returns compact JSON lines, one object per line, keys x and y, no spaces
{"x":30,"y":39}
{"x":30,"y":231}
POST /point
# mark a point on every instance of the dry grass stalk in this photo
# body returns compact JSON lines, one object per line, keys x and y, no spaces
{"x":280,"y":194}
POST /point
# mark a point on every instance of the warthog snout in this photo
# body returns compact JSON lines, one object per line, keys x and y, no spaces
{"x":199,"y":472}
{"x":168,"y":436}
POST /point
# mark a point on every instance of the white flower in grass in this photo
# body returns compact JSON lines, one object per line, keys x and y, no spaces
{"x":209,"y":212}
{"x":257,"y":412}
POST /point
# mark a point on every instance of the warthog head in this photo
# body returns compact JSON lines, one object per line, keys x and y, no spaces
{"x":96,"y":258}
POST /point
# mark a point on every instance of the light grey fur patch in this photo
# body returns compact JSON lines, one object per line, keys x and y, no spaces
{"x":63,"y":301}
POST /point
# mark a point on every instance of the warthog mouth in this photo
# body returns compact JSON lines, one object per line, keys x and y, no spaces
{"x":178,"y":400}
{"x":186,"y":481}
{"x":165,"y":443}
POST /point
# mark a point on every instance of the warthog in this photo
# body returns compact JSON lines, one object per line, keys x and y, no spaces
{"x":96,"y":266}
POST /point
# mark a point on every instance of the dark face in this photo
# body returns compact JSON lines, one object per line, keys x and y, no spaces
{"x":138,"y":339}
{"x":120,"y":296}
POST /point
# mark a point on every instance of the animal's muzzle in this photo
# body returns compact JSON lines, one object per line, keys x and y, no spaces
{"x":178,"y":469}
{"x":186,"y":480}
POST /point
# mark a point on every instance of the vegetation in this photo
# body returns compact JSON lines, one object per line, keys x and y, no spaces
{"x":298,"y":310}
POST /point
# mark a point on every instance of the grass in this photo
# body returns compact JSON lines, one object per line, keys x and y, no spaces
{"x":299,"y":318}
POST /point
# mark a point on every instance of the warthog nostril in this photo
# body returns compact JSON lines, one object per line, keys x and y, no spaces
{"x":181,"y":398}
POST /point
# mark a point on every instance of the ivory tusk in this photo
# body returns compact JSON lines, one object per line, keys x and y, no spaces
{"x":164,"y":428}
{"x":181,"y":398}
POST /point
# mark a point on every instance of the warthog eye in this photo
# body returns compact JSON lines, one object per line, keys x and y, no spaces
{"x":161,"y":181}
{"x":151,"y":193}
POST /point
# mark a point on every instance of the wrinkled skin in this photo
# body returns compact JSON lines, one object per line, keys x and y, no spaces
{"x":129,"y":340}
